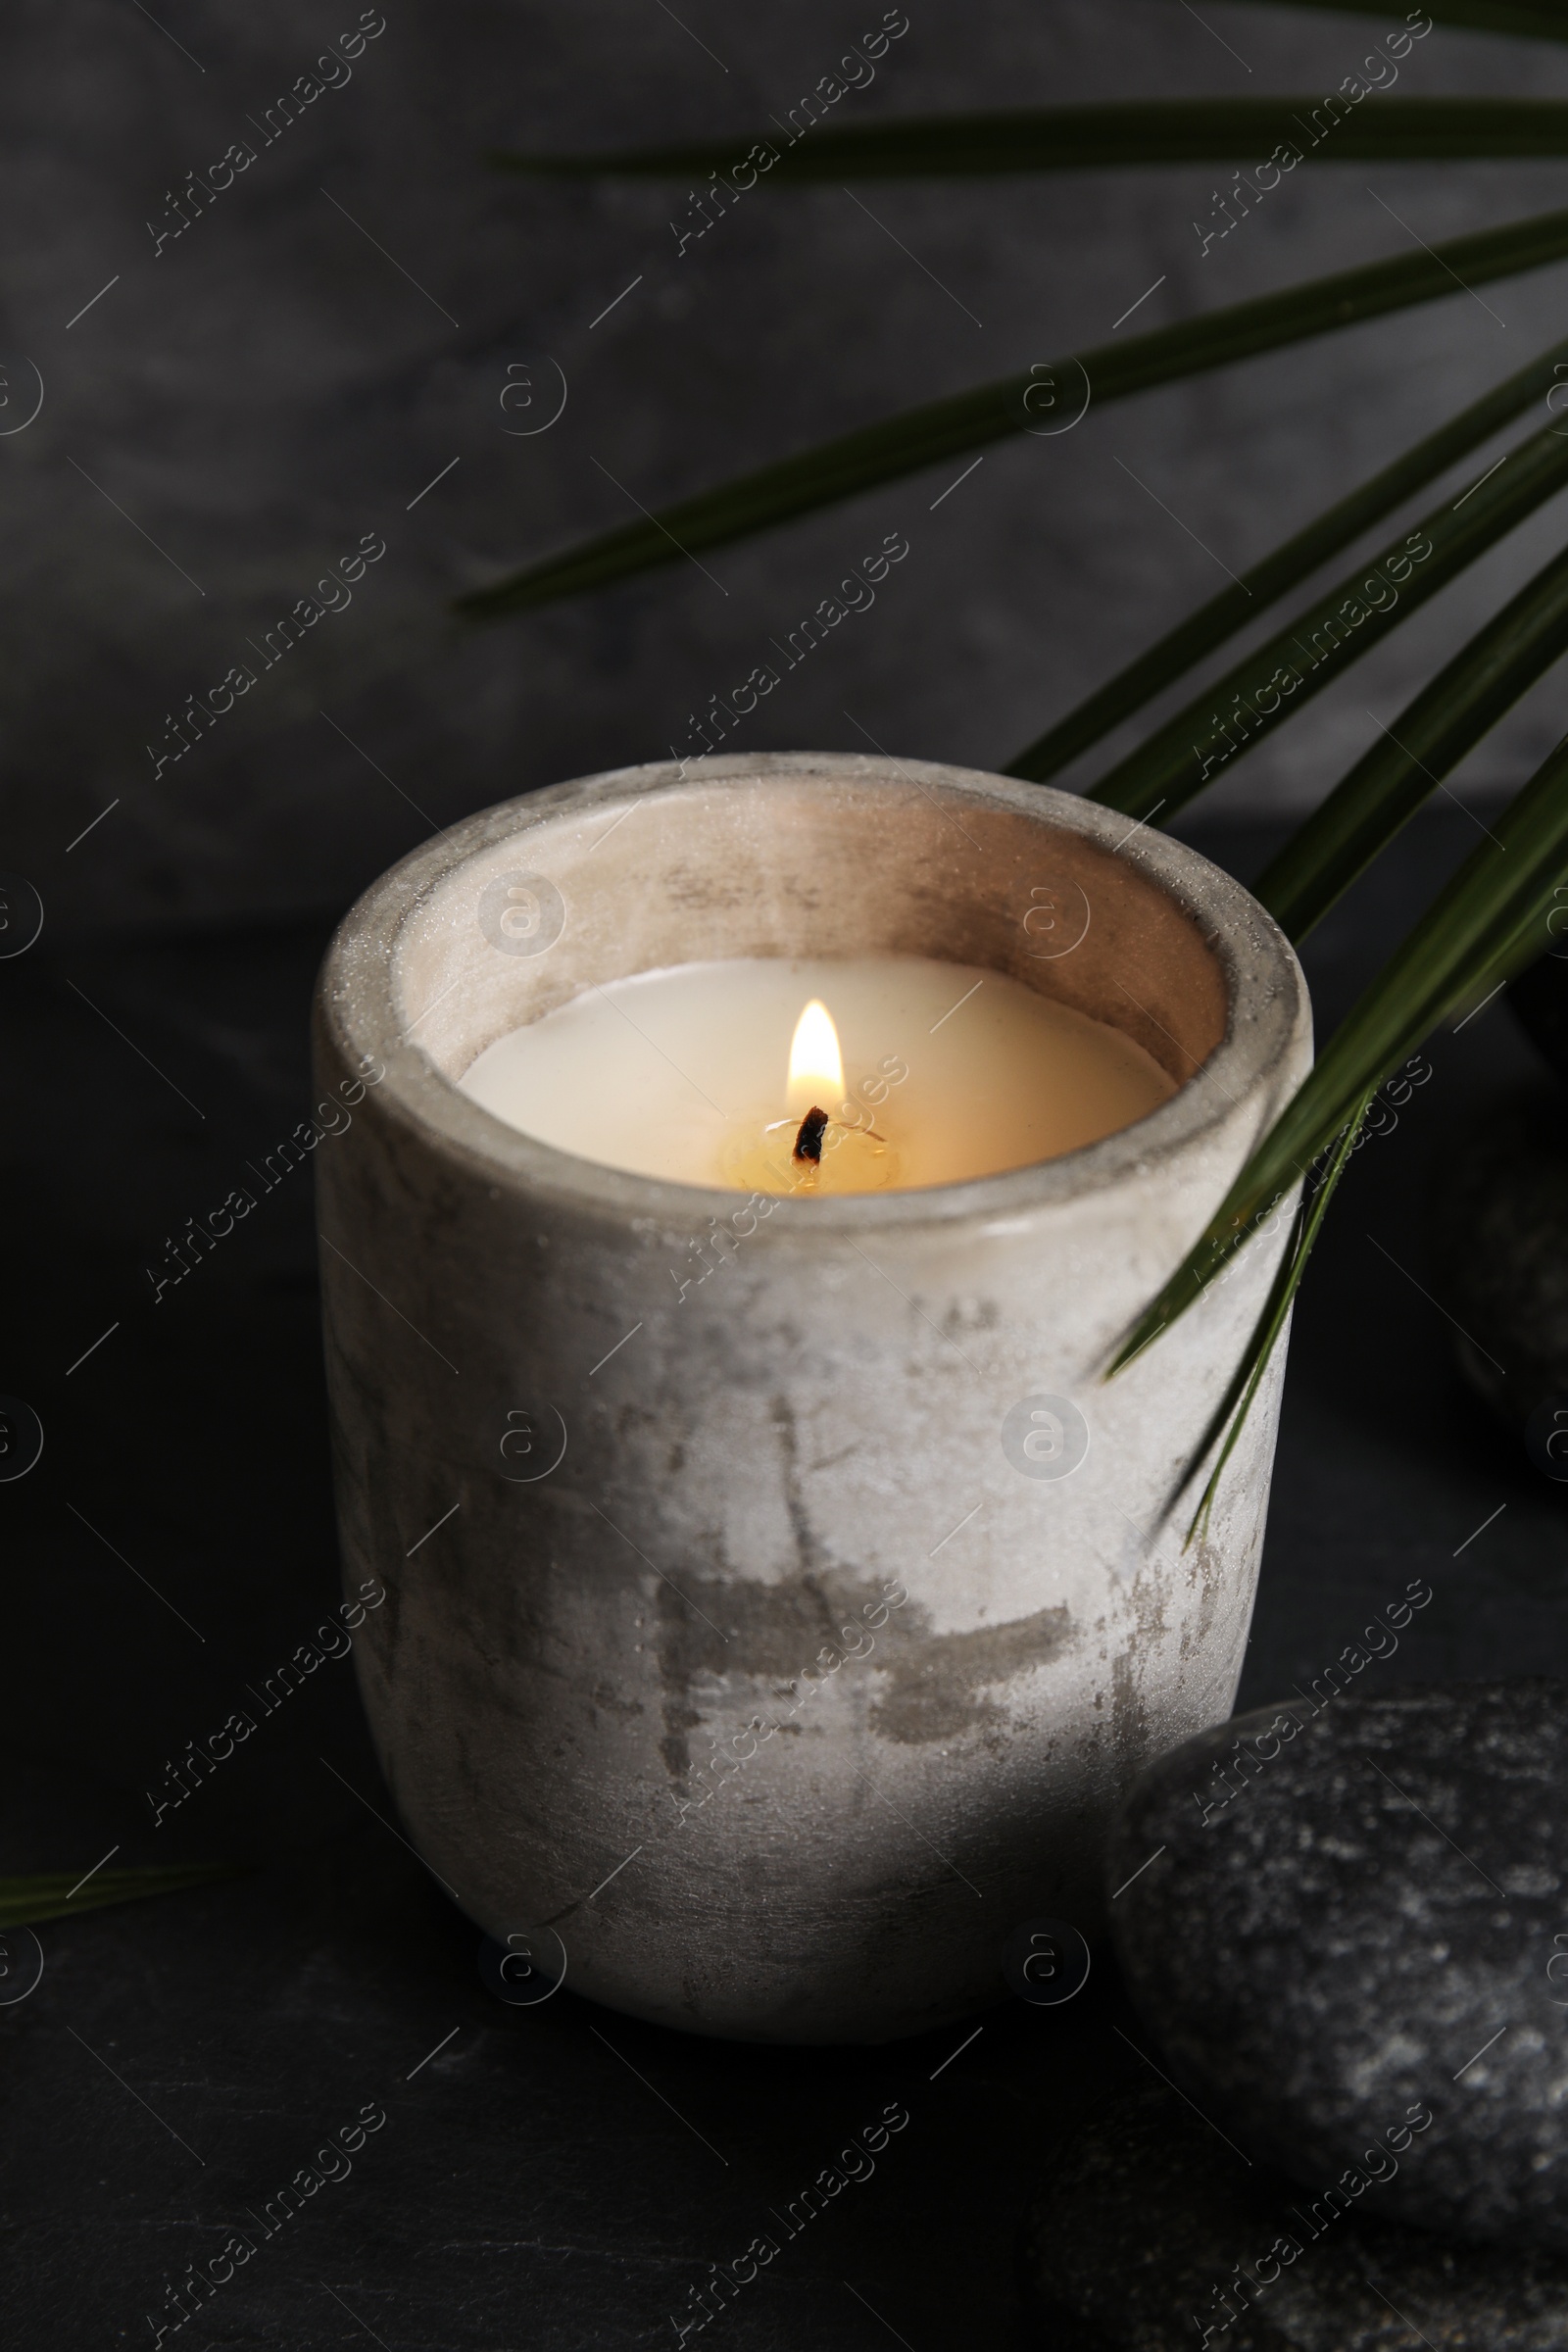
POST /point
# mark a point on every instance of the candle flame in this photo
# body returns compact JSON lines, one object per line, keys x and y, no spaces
{"x":816,"y":1066}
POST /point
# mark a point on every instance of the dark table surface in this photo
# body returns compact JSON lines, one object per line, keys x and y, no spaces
{"x":562,"y":2176}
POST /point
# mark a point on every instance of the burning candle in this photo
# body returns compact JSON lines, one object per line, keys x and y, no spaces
{"x":810,"y":1076}
{"x":790,"y":1545}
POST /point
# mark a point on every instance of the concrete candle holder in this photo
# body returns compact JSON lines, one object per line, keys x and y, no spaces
{"x":760,"y":1652}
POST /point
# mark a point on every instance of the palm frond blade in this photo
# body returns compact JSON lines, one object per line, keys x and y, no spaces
{"x":1534,"y":19}
{"x":945,"y":429}
{"x":1241,"y":1393}
{"x":1482,"y":915}
{"x":1273,"y":683}
{"x":1195,"y":638}
{"x":28,"y":1900}
{"x":1259,"y":131}
{"x":1408,"y":762}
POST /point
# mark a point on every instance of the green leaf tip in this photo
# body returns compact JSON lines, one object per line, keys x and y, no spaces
{"x":28,"y":1899}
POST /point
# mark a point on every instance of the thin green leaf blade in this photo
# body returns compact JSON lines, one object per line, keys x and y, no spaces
{"x":1241,"y":1393}
{"x":1534,"y":19}
{"x":28,"y":1900}
{"x":1311,"y":128}
{"x":1275,"y":681}
{"x":942,"y":429}
{"x":1195,"y":638}
{"x":1503,"y":886}
{"x":1385,"y":788}
{"x":1242,"y":1383}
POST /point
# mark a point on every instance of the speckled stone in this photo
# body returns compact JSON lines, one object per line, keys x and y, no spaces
{"x":1358,"y":1920}
{"x":1152,"y":2236}
{"x":1501,"y":1235}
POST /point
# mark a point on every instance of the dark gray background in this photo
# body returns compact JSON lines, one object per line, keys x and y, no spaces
{"x":269,"y":387}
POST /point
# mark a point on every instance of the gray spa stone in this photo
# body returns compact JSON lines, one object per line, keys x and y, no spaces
{"x":1151,"y":2232}
{"x":1353,"y":1942}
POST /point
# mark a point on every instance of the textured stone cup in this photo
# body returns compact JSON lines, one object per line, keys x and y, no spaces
{"x":766,"y":1652}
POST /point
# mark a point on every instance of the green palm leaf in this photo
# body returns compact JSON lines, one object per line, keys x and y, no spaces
{"x":1080,"y":138}
{"x":1384,"y":790}
{"x":1486,"y":921}
{"x":1190,"y":750}
{"x":1185,"y":646}
{"x":947,"y":428}
{"x":58,"y":1893}
{"x":1478,"y":921}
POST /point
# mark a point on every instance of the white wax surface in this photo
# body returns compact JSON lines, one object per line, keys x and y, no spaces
{"x":656,"y":1075}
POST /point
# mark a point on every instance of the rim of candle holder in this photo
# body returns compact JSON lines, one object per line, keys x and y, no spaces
{"x":357,"y":1002}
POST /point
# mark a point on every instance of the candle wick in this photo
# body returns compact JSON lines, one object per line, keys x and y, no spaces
{"x":808,"y":1143}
